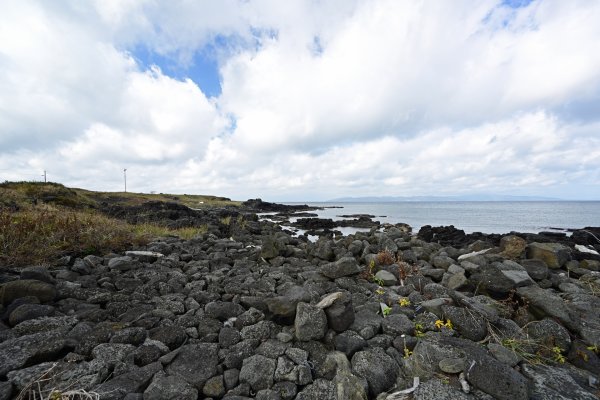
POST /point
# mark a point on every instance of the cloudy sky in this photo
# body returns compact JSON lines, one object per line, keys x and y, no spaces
{"x":303,"y":100}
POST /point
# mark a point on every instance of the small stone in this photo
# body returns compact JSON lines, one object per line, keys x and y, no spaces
{"x":132,"y":335}
{"x":297,"y":355}
{"x":285,"y":370}
{"x":285,"y":337}
{"x":452,"y":365}
{"x":504,"y":355}
{"x":434,"y":306}
{"x":231,"y":378}
{"x":457,"y":281}
{"x":286,"y":390}
{"x":267,"y":394}
{"x":386,"y":277}
{"x":214,"y":387}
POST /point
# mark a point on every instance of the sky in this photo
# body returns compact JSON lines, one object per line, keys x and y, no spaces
{"x":303,"y":99}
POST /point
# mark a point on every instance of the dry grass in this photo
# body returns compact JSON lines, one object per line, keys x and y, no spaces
{"x":385,"y":257}
{"x":41,"y":234}
{"x":150,"y":231}
{"x":28,"y":193}
{"x":40,"y":222}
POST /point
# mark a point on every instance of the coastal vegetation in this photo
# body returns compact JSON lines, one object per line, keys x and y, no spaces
{"x":43,"y":221}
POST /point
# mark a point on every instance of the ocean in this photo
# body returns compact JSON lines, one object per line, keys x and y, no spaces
{"x":476,"y":216}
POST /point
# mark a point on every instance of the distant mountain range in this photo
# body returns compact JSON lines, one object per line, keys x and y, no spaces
{"x":471,"y":197}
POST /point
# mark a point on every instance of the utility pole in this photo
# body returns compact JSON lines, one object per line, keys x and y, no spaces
{"x":44,"y":176}
{"x":125,"y":178}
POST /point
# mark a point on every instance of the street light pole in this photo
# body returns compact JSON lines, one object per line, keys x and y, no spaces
{"x":125,"y":178}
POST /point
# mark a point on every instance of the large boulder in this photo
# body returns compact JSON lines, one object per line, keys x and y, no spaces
{"x":321,"y":389}
{"x":285,"y":305}
{"x":345,"y":266}
{"x":488,"y":374}
{"x":543,"y":303}
{"x":549,"y":333}
{"x":171,"y":335}
{"x":133,"y":381}
{"x":35,"y":348}
{"x":512,"y":246}
{"x":258,"y":371}
{"x":195,"y":363}
{"x":501,"y":277}
{"x":310,"y":322}
{"x":349,"y":342}
{"x":271,"y":247}
{"x":43,"y":291}
{"x":555,"y":255}
{"x":397,"y":324}
{"x":366,"y":323}
{"x":379,"y":369}
{"x":468,"y":323}
{"x":27,"y":312}
{"x":537,"y":269}
{"x":38,"y":273}
{"x":556,"y":383}
{"x":169,"y":388}
{"x":340,"y":315}
{"x":223,"y":310}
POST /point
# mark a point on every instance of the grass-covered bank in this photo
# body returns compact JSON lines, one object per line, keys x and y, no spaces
{"x":40,"y":222}
{"x":27,"y":193}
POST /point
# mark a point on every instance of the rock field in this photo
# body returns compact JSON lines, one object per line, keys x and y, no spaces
{"x":257,"y":313}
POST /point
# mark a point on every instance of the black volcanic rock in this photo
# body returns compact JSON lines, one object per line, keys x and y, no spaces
{"x":258,"y":205}
{"x":248,"y":310}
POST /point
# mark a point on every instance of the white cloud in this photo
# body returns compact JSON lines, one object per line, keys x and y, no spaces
{"x":320,"y":99}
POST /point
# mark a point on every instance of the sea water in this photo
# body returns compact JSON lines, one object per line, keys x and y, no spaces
{"x":476,"y":216}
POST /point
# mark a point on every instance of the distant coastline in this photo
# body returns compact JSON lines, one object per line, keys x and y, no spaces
{"x":473,"y":197}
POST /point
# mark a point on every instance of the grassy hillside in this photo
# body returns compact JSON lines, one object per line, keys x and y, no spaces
{"x":31,"y":193}
{"x":40,"y":222}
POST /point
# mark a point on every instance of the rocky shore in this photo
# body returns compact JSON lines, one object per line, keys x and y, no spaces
{"x":248,"y":310}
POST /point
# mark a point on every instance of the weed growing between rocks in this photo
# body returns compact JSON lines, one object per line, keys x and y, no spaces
{"x":385,"y":258}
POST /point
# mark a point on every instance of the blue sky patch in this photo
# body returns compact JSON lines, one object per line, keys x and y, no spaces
{"x":516,"y":3}
{"x":203,"y":68}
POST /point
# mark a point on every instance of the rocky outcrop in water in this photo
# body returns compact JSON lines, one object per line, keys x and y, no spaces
{"x":257,"y":313}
